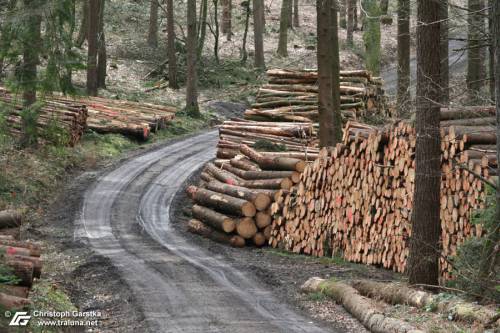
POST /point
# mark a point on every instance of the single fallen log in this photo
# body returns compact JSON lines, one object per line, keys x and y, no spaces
{"x":18,"y":291}
{"x":214,"y":219}
{"x":10,"y":219}
{"x":34,"y":249}
{"x":400,"y":293}
{"x":21,"y":269}
{"x":246,"y":227}
{"x":13,"y":302}
{"x":359,"y":306}
{"x":197,"y":227}
{"x":221,"y":202}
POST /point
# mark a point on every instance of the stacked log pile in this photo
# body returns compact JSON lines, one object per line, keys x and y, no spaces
{"x":356,"y":200}
{"x":293,"y":138}
{"x":21,"y":257}
{"x":124,"y":117}
{"x":232,"y":203}
{"x":68,"y":116}
{"x":292,"y":95}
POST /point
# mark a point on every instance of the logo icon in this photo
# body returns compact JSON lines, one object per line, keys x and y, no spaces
{"x":20,"y":319}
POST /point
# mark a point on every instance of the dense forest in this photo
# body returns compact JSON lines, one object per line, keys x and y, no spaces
{"x":197,"y":157}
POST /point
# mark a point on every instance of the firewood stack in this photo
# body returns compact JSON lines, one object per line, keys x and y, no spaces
{"x":69,"y":116}
{"x":22,"y":257}
{"x":292,"y":95}
{"x":357,"y":199}
{"x":124,"y":117}
{"x":232,"y":203}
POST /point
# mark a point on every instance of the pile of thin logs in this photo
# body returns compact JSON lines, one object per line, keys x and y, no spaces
{"x":294,"y":138}
{"x":21,"y":257}
{"x":357,"y":199}
{"x":68,"y":116}
{"x":292,"y":95}
{"x":232,"y":203}
{"x":124,"y":117}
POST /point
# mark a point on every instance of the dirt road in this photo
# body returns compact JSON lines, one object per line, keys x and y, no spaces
{"x":178,"y":285}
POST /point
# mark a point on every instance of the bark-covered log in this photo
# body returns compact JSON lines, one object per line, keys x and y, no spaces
{"x":21,"y":269}
{"x":261,"y":200}
{"x":214,"y":219}
{"x":221,"y":202}
{"x":13,"y":302}
{"x":273,"y":163}
{"x":197,"y":227}
{"x":359,"y":306}
{"x":18,"y":291}
{"x":10,"y":219}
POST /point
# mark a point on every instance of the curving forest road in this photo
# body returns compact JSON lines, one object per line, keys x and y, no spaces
{"x":179,"y":287}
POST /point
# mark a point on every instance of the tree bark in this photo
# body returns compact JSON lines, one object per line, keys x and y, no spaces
{"x":336,"y":130}
{"x":423,"y":263}
{"x":404,"y":94}
{"x":444,"y":50}
{"x":491,"y":62}
{"x":351,"y":8}
{"x":197,"y":227}
{"x":343,"y":13}
{"x":82,"y":33}
{"x":284,"y":22}
{"x":172,"y":58}
{"x":258,"y":26}
{"x":10,"y":219}
{"x":384,"y":6}
{"x":371,"y":36}
{"x":227,"y":8}
{"x":101,"y":54}
{"x":222,"y":202}
{"x":214,"y":219}
{"x":475,"y":63}
{"x":191,"y":76}
{"x":243,"y":52}
{"x":202,"y":29}
{"x":296,"y":21}
{"x":93,"y":28}
{"x":216,"y":30}
{"x":153,"y":24}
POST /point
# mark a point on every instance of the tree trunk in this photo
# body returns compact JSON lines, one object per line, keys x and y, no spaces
{"x":351,"y":7}
{"x":227,"y":8}
{"x":371,"y":36}
{"x":221,"y":202}
{"x":172,"y":58}
{"x":93,"y":28}
{"x":296,"y":21}
{"x":243,"y":52}
{"x":214,"y":219}
{"x":283,"y":37}
{"x":197,"y":227}
{"x":153,"y":24}
{"x":192,"y":107}
{"x":336,"y":126}
{"x":404,"y":94}
{"x":325,"y":80}
{"x":343,"y":13}
{"x":216,"y":30}
{"x":101,"y":54}
{"x":423,"y":263}
{"x":475,"y":63}
{"x":444,"y":50}
{"x":384,"y":7}
{"x":491,"y":62}
{"x":82,"y":32}
{"x":202,"y":29}
{"x":258,"y":26}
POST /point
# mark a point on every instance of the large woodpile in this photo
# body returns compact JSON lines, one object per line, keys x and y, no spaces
{"x":292,"y":95}
{"x":232,"y":203}
{"x":356,"y":200}
{"x":124,"y":117}
{"x":69,"y":116}
{"x":22,"y":257}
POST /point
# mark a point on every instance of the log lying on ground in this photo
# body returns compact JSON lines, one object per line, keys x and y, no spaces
{"x":22,"y":269}
{"x":18,"y":291}
{"x":221,"y":202}
{"x":214,"y":219}
{"x":400,"y":293}
{"x":30,"y":248}
{"x":261,"y":200}
{"x":197,"y":227}
{"x":246,"y":227}
{"x":359,"y":306}
{"x":10,"y":219}
{"x":13,"y":302}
